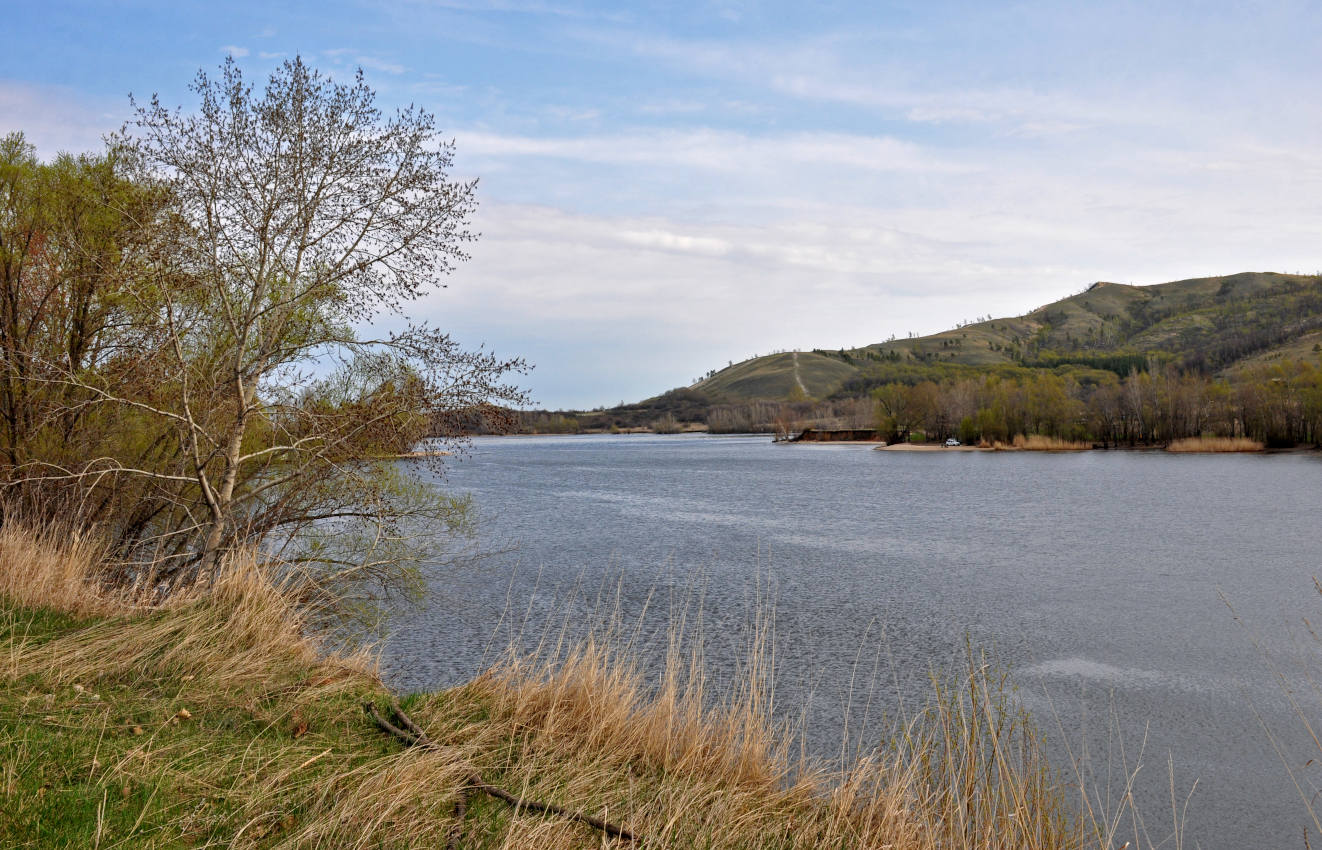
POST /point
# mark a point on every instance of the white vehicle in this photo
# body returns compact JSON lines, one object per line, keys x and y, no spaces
{"x":951,"y":443}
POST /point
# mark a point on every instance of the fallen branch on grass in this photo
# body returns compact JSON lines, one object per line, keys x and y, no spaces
{"x":413,"y":736}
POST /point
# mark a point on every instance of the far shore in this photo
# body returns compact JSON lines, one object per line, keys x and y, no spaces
{"x":937,"y":447}
{"x":906,"y":447}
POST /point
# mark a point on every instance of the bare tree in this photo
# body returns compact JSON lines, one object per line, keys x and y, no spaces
{"x":296,"y":216}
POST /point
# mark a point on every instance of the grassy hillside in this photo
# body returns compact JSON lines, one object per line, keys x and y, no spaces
{"x":1214,"y":325}
{"x":789,"y":375}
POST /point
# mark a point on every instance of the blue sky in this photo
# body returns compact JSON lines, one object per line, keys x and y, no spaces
{"x":666,"y":187}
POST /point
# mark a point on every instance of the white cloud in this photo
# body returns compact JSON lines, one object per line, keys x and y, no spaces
{"x":677,"y":298}
{"x":372,"y":63}
{"x":717,"y":150}
{"x":814,"y":69}
{"x":666,"y":240}
{"x":573,"y":114}
{"x":234,"y":50}
{"x":438,"y":87}
{"x":55,"y":119}
{"x":1029,"y":111}
{"x":862,"y":199}
{"x":526,"y":7}
{"x":707,"y":275}
{"x":672,"y":106}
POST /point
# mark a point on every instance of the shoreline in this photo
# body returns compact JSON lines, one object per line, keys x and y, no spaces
{"x":936,"y":447}
{"x":898,"y":447}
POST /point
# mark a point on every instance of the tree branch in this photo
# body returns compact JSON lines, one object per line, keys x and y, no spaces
{"x":415,"y":737}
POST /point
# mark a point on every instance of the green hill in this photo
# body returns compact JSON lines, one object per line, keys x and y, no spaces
{"x":1213,"y":325}
{"x":790,"y":375}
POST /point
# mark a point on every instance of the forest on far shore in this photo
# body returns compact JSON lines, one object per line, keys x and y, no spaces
{"x":1278,"y":404}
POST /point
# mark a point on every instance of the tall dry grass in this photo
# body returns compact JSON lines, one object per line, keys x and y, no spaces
{"x":60,"y":569}
{"x":580,"y":722}
{"x":242,"y":626}
{"x":1214,"y":444}
{"x":1041,"y":443}
{"x":686,"y":766}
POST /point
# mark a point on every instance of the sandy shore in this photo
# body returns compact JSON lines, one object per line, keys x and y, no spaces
{"x":937,"y":447}
{"x":930,"y":447}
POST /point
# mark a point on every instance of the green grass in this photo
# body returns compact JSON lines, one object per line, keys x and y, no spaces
{"x":110,"y":750}
{"x":773,"y":377}
{"x":110,"y":761}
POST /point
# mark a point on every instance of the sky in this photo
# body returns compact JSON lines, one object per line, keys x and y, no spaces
{"x":667,"y":187}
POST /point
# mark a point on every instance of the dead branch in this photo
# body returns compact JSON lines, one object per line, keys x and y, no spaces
{"x":415,"y":737}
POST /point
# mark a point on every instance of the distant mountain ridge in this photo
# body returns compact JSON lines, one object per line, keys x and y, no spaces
{"x":1211,"y":325}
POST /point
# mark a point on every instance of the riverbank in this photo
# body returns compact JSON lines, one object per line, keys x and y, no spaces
{"x":216,"y":720}
{"x":932,"y":447}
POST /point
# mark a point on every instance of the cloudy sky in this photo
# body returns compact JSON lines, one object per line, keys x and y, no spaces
{"x":666,"y":187}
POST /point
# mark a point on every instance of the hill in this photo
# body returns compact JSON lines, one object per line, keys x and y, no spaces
{"x":1237,"y":356}
{"x":1211,"y":326}
{"x":793,"y":375}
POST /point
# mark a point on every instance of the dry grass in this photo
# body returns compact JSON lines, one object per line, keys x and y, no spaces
{"x":1214,"y":444}
{"x":239,"y":631}
{"x":685,"y":767}
{"x":1040,"y":443}
{"x":241,"y":627}
{"x":57,"y":569}
{"x":580,"y":725}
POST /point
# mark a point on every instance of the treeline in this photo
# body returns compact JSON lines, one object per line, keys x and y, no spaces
{"x":915,"y":371}
{"x":1205,"y":336}
{"x":1236,"y":327}
{"x":682,"y":410}
{"x":1278,"y":404}
{"x":669,"y":412}
{"x":786,"y":417}
{"x":1122,"y":365}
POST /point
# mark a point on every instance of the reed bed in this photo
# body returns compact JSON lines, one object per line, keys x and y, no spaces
{"x":1042,"y":443}
{"x":1036,"y":443}
{"x":1214,"y":445}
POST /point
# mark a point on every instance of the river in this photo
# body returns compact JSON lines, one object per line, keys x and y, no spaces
{"x":1136,"y":598}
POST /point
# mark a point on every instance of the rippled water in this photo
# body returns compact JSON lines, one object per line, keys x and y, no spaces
{"x":1103,"y":580}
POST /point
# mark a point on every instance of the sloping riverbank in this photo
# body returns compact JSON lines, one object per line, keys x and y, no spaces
{"x":214,"y":720}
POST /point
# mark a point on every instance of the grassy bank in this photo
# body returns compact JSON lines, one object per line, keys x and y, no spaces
{"x":215,"y":720}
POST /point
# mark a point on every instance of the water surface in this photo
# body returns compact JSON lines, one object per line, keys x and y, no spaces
{"x":1103,"y":580}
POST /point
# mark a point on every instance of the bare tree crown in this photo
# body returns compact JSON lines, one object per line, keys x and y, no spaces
{"x":307,"y":194}
{"x":253,"y":406}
